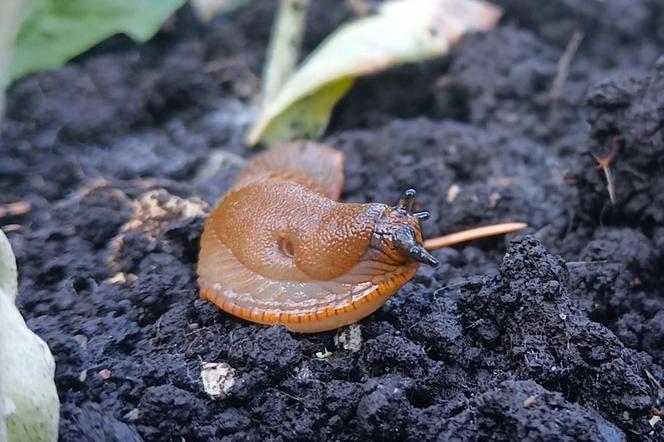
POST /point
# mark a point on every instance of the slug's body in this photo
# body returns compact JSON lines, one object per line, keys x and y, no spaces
{"x":279,"y":248}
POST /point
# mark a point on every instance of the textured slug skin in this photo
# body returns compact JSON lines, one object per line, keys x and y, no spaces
{"x":278,"y":248}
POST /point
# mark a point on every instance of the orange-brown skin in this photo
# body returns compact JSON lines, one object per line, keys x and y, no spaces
{"x":279,"y":248}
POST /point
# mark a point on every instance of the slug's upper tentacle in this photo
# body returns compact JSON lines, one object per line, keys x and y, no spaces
{"x":407,"y":200}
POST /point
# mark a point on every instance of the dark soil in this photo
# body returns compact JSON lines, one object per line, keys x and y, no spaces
{"x":553,"y":335}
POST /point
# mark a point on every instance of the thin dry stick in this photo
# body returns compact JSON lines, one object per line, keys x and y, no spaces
{"x":472,"y":234}
{"x":604,"y":163}
{"x":564,"y":63}
{"x":15,"y":209}
{"x":609,"y":183}
{"x":656,"y":384}
{"x":284,"y":47}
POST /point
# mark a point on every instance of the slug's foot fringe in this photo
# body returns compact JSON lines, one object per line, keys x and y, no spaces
{"x":301,"y":306}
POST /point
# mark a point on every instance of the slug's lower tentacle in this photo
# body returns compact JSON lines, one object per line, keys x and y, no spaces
{"x":420,"y":254}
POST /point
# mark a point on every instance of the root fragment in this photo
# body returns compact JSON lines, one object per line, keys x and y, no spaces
{"x":473,"y":234}
{"x":604,"y":163}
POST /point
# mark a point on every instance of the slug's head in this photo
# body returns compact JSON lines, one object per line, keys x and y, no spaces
{"x":398,"y":233}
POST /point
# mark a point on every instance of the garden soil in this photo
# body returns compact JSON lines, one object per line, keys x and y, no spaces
{"x":555,"y":334}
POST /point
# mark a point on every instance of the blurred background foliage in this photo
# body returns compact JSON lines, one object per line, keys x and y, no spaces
{"x":54,"y":31}
{"x":297,"y":101}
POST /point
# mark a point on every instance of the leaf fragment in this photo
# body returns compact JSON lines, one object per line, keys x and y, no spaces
{"x":29,"y":404}
{"x":55,"y":31}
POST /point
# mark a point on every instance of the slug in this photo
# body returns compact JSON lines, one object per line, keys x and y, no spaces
{"x":280,"y":249}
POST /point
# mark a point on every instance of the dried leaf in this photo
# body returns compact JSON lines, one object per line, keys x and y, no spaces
{"x":403,"y":31}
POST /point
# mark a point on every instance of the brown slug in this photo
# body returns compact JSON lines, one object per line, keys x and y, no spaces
{"x":280,"y":249}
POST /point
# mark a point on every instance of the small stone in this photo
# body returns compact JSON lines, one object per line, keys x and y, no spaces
{"x":82,"y":340}
{"x":304,"y":373}
{"x":349,"y":338}
{"x":218,"y":379}
{"x":453,"y":192}
{"x":529,"y":402}
{"x":121,"y":278}
{"x":131,"y":415}
{"x":493,"y":199}
{"x":104,"y":373}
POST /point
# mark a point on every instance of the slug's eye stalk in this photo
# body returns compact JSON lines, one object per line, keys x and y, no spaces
{"x":407,"y":200}
{"x":406,"y":203}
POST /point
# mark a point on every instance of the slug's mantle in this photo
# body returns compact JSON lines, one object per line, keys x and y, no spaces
{"x":280,"y":249}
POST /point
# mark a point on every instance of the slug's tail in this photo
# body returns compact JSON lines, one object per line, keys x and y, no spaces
{"x":313,"y":165}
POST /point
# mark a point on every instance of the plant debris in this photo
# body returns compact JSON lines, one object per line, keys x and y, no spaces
{"x":218,"y":379}
{"x":402,"y":31}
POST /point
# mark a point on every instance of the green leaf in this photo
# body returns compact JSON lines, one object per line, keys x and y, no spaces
{"x":403,"y":31}
{"x":307,"y":118}
{"x":55,"y":31}
{"x":11,"y":14}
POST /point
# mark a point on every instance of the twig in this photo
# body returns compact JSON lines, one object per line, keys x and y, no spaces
{"x":604,"y":163}
{"x":472,"y":234}
{"x":11,"y":228}
{"x":574,"y":264}
{"x":609,"y":183}
{"x":15,"y":209}
{"x":564,"y":63}
{"x":656,"y":385}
